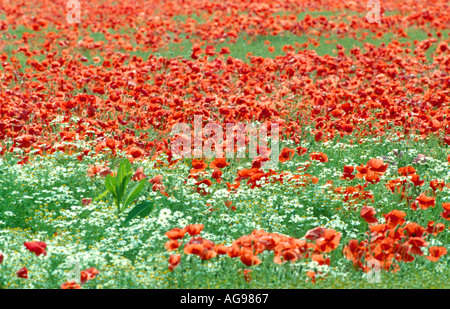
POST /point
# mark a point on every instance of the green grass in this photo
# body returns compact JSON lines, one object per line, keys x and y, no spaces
{"x":44,"y":198}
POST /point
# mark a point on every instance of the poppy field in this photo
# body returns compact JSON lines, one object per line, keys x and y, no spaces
{"x":93,"y":194}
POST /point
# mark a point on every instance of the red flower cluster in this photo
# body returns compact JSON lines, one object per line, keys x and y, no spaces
{"x":248,"y":247}
{"x":392,"y":242}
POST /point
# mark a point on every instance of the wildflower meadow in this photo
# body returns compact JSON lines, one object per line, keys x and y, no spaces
{"x":209,"y":144}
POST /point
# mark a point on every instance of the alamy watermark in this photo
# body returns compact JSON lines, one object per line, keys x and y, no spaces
{"x":74,"y":273}
{"x":237,"y":137}
{"x":373,"y":16}
{"x":74,"y":12}
{"x":373,"y":275}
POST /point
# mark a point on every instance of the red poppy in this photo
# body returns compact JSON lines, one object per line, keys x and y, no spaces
{"x":318,"y":156}
{"x":377,"y":166}
{"x":38,"y":247}
{"x":217,"y":175}
{"x":328,"y":241}
{"x":136,"y":152}
{"x":435,"y":229}
{"x":286,"y":154}
{"x":395,"y":218}
{"x":139,"y":174}
{"x":368,"y":213}
{"x":301,"y":150}
{"x":172,"y":244}
{"x":407,"y":170}
{"x":176,"y":233}
{"x":414,"y":178}
{"x":446,"y":213}
{"x":348,"y":173}
{"x":194,"y":229}
{"x":315,"y":233}
{"x":86,"y":201}
{"x":248,"y":258}
{"x":174,"y":261}
{"x":91,"y":272}
{"x":424,"y":202}
{"x":23,"y":273}
{"x":221,"y":249}
{"x":218,"y":163}
{"x":436,"y":253}
{"x":437,"y":185}
{"x":70,"y":285}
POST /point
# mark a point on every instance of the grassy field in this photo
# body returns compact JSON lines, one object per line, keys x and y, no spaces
{"x":370,"y":100}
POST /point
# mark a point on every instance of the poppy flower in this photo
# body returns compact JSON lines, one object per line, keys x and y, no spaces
{"x":136,"y":152}
{"x":416,"y":243}
{"x":328,"y":241}
{"x":92,"y":272}
{"x":301,"y":150}
{"x":86,"y":201}
{"x":70,"y":285}
{"x":348,"y":173}
{"x":38,"y":247}
{"x":218,"y":163}
{"x":414,"y":178}
{"x":424,"y":202}
{"x":257,"y":162}
{"x":194,"y":248}
{"x":174,"y":261}
{"x":176,"y":233}
{"x":194,"y":229}
{"x":221,"y":249}
{"x":407,"y":170}
{"x":286,"y":154}
{"x":377,"y":166}
{"x":395,"y":218}
{"x":368,"y":213}
{"x":1,"y":258}
{"x":318,"y":156}
{"x":311,"y":274}
{"x":139,"y":174}
{"x":446,"y":213}
{"x":247,"y":275}
{"x":437,"y":185}
{"x":248,"y":258}
{"x":217,"y":175}
{"x":234,"y":186}
{"x":23,"y":273}
{"x":233,"y":251}
{"x":315,"y":233}
{"x":436,"y":253}
{"x":156,"y":180}
{"x":172,"y":244}
{"x":199,"y":164}
{"x":435,"y":229}
{"x":200,"y":189}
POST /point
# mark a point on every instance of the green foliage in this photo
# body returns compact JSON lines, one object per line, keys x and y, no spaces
{"x":124,"y":197}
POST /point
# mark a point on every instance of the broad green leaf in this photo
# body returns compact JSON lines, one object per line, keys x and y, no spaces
{"x":134,"y":193}
{"x":122,"y":186}
{"x":110,"y":184}
{"x":142,"y":210}
{"x":124,"y":170}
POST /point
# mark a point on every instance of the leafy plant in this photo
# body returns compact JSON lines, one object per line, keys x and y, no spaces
{"x":124,"y":197}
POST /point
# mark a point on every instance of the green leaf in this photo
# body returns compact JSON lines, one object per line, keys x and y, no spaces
{"x":142,"y":210}
{"x":134,"y":193}
{"x":101,"y":196}
{"x":111,"y":184}
{"x":122,"y":186}
{"x":124,"y":170}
